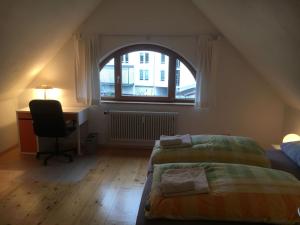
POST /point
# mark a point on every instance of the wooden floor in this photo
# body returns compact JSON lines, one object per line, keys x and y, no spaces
{"x":104,"y":188}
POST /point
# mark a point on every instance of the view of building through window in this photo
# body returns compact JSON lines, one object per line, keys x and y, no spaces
{"x":185,"y":82}
{"x":145,"y":73}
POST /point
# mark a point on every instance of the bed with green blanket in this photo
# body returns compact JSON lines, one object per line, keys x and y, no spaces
{"x":213,"y":148}
{"x":236,"y":193}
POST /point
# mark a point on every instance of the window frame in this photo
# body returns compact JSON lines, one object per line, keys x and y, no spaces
{"x":173,"y":56}
{"x":177,"y":78}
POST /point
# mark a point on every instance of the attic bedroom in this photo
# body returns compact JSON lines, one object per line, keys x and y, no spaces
{"x":219,"y":80}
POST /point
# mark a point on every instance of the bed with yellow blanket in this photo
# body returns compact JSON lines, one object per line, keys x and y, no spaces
{"x":213,"y":148}
{"x":236,"y":193}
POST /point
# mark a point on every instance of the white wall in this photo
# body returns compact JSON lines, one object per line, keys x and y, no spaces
{"x":244,"y":103}
{"x":291,"y":121}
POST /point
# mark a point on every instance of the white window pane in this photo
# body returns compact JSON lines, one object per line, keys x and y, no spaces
{"x":107,"y":79}
{"x":141,"y":76}
{"x":185,"y":82}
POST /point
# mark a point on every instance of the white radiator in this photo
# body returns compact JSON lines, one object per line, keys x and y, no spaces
{"x":140,"y":125}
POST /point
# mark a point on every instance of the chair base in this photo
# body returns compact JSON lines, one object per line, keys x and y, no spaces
{"x":56,"y":153}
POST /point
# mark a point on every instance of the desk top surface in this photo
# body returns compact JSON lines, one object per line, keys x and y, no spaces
{"x":66,"y":109}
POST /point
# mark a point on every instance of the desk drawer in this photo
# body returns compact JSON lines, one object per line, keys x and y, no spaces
{"x":28,"y":143}
{"x":24,"y":115}
{"x":70,"y":116}
{"x":27,"y":115}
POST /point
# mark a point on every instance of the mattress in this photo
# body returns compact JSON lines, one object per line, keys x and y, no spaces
{"x":278,"y":161}
{"x":213,"y":148}
{"x":237,"y":192}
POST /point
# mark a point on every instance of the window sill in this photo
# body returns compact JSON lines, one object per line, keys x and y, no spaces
{"x":190,"y":104}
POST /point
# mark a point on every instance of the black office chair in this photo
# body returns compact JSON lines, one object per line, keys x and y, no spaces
{"x":48,"y":121}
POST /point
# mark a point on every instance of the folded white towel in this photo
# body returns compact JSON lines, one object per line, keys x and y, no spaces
{"x":186,"y":139}
{"x":177,"y":141}
{"x":176,"y":180}
{"x":170,"y":140}
{"x":184,"y":181}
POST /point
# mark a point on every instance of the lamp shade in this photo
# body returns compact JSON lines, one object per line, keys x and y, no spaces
{"x":291,"y":138}
{"x":44,"y":87}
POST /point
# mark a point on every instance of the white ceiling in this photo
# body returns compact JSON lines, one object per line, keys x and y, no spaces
{"x":266,"y":32}
{"x":32,"y":32}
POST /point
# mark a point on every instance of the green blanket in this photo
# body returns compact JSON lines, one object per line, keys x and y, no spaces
{"x":214,"y":148}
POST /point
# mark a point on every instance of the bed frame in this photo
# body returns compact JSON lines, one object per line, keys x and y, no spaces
{"x":278,"y":161}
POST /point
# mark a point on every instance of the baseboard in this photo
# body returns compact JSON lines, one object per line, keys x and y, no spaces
{"x":8,"y":149}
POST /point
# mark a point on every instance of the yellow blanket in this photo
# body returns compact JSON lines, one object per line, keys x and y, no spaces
{"x":237,"y":193}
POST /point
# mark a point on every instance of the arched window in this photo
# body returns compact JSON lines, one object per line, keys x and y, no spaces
{"x":147,"y":73}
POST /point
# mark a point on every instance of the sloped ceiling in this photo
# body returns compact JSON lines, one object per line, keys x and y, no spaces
{"x":267,"y":33}
{"x":32,"y":32}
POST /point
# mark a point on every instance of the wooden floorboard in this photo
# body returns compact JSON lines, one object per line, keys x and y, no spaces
{"x":101,"y":188}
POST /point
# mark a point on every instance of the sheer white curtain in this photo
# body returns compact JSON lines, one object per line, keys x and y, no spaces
{"x":204,"y":70}
{"x":87,"y":53}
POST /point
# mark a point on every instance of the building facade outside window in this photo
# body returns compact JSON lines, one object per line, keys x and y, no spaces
{"x":144,"y":75}
{"x":141,"y":75}
{"x":162,"y":59}
{"x":162,"y":75}
{"x":144,"y":57}
{"x":137,"y":73}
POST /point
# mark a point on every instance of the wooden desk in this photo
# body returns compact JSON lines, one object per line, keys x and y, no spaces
{"x":27,"y":139}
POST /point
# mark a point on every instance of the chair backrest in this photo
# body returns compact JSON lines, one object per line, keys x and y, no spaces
{"x":48,"y":120}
